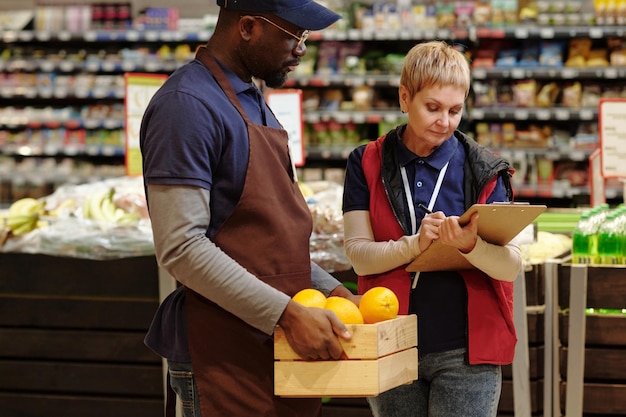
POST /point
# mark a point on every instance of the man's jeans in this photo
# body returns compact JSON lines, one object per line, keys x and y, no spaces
{"x":447,"y":387}
{"x":184,"y":385}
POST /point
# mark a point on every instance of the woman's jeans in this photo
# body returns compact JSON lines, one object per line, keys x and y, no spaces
{"x":184,"y":385}
{"x":447,"y":387}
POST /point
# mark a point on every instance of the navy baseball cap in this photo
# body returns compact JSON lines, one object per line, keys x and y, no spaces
{"x":305,"y":14}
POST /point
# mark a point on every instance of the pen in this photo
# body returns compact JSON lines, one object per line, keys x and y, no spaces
{"x":423,"y":207}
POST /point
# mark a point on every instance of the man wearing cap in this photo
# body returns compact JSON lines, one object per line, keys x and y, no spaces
{"x":229,"y":222}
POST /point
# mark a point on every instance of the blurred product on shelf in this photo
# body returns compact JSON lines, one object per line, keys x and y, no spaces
{"x":600,"y":236}
{"x":546,"y":246}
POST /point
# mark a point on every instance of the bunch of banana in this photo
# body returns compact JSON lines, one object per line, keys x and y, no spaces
{"x":101,"y":207}
{"x":23,"y":215}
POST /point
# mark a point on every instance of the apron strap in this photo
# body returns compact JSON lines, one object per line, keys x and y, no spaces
{"x":209,"y":61}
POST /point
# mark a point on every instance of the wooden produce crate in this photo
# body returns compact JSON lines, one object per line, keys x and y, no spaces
{"x":379,"y":357}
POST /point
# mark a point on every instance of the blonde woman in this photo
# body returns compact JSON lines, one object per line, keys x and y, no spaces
{"x":407,"y":189}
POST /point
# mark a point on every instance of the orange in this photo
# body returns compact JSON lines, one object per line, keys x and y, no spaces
{"x":378,"y":304}
{"x":310,"y":297}
{"x":344,"y":309}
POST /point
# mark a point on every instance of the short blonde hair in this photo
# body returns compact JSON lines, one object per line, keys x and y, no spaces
{"x":434,"y":63}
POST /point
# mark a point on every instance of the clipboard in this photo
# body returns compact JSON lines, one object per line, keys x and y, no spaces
{"x":498,"y":223}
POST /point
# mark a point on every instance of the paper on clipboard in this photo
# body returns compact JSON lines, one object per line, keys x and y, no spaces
{"x":498,"y":223}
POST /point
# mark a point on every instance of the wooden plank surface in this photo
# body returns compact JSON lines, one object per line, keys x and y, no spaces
{"x":86,"y":345}
{"x":601,"y":399}
{"x":77,"y":313}
{"x":607,"y":330}
{"x":606,"y":286}
{"x":19,"y":404}
{"x":608,"y":364}
{"x":34,"y":274}
{"x":74,"y":378}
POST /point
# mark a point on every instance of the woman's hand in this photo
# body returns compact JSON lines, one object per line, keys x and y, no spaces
{"x":461,"y":237}
{"x":429,"y":230}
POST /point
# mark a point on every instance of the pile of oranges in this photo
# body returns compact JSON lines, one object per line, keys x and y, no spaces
{"x":377,"y":304}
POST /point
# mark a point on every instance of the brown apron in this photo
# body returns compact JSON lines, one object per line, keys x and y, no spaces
{"x":268,"y":233}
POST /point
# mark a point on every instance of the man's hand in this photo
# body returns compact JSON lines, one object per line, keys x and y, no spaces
{"x":342,"y":291}
{"x":312,"y":332}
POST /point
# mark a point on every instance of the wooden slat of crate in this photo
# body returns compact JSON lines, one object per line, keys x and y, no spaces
{"x":601,"y":398}
{"x":606,"y":286}
{"x":535,"y":323}
{"x":344,"y":378}
{"x":601,"y":329}
{"x":536,"y":356}
{"x":45,"y":405}
{"x":369,"y":341}
{"x":81,"y":378}
{"x":91,"y":313}
{"x":535,"y":285}
{"x":84,"y":345}
{"x":54,"y":275}
{"x":600,"y":364}
{"x":507,"y":405}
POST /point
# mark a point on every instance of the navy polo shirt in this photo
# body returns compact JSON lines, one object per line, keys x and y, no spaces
{"x":192,"y":135}
{"x":440,"y":298}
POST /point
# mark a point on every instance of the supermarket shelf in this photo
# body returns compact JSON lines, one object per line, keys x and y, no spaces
{"x":534,"y":113}
{"x":542,"y":72}
{"x":55,"y":150}
{"x":559,"y":189}
{"x":348,"y":80}
{"x":470,"y":33}
{"x":90,"y":66}
{"x":345,"y":116}
{"x":521,"y":31}
{"x":11,"y":36}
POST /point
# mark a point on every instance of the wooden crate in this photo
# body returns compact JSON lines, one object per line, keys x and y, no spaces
{"x":379,"y":356}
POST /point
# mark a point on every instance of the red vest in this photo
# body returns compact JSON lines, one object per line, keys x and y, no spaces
{"x":491,"y":330}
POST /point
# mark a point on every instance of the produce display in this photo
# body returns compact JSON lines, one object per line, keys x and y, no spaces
{"x":108,"y":219}
{"x":100,"y":220}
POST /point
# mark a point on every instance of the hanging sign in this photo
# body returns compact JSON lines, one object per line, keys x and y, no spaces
{"x":139,"y":89}
{"x":612,"y":136}
{"x":287,"y":106}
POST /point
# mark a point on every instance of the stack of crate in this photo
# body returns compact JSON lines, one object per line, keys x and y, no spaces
{"x":604,"y":355}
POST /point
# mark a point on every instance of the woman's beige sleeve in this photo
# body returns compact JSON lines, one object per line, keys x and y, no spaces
{"x":368,"y":256}
{"x":499,"y":262}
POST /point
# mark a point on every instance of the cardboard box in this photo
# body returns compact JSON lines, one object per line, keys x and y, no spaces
{"x":379,"y":357}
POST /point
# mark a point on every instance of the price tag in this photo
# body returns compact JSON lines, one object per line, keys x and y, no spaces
{"x":521,"y":33}
{"x":139,"y":89}
{"x":287,"y":106}
{"x":547,"y":33}
{"x":612,"y":135}
{"x":521,"y":114}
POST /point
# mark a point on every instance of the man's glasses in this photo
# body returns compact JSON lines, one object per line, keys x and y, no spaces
{"x":304,"y":35}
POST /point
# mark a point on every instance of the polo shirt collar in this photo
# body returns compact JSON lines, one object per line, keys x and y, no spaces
{"x":237,"y":83}
{"x":437,"y":159}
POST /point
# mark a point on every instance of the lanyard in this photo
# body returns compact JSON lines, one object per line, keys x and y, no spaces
{"x":409,"y":198}
{"x":411,"y":204}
